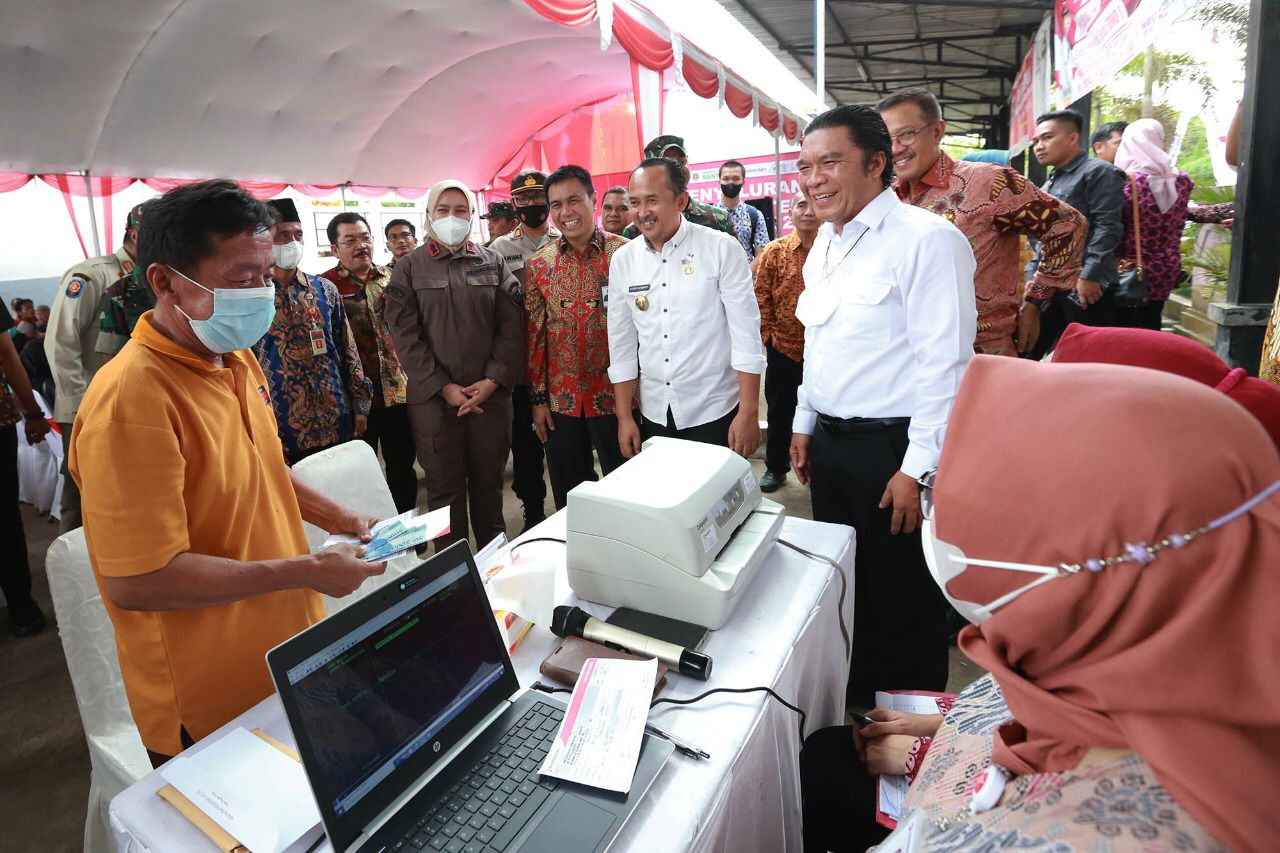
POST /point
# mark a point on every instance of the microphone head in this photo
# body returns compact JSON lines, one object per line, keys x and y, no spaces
{"x":567,"y":621}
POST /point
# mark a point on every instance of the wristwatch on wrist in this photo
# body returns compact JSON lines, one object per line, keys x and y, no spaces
{"x":1037,"y":302}
{"x":33,"y":415}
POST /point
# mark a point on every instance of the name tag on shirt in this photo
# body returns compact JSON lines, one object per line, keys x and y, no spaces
{"x":638,"y":288}
{"x":318,"y":345}
{"x":815,"y":306}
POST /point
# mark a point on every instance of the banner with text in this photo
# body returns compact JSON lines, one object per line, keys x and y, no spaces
{"x":1029,"y":96}
{"x":704,"y":183}
{"x":1094,"y":39}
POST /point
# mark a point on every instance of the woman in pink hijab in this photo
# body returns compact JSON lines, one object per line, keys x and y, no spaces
{"x":1112,"y":535}
{"x":1163,"y":193}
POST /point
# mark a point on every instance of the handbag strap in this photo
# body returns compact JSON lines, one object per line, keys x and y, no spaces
{"x":1137,"y":220}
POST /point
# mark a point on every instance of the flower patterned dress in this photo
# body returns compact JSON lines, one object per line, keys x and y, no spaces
{"x":1115,"y":805}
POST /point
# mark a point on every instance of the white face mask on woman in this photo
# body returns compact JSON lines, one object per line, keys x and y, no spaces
{"x":451,"y":230}
{"x":947,"y":562}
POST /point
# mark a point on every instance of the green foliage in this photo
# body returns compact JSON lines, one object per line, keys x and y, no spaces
{"x":1214,"y":262}
{"x":1231,"y":17}
{"x":1208,"y":194}
{"x":1168,"y":68}
{"x":1194,"y":159}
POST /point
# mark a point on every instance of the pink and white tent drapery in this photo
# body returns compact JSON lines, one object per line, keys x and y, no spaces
{"x":103,"y":190}
{"x":654,"y":49}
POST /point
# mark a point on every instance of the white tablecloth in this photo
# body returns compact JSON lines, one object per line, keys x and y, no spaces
{"x":785,"y":634}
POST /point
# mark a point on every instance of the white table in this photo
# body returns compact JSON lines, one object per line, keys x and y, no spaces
{"x":785,"y":634}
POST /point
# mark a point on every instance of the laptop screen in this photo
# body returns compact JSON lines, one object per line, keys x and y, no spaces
{"x":372,"y":698}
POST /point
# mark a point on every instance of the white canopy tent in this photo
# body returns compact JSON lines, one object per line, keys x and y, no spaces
{"x":379,"y":92}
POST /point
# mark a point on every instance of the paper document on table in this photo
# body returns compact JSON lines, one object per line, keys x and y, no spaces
{"x":255,"y":792}
{"x":893,"y":789}
{"x":398,"y":535}
{"x":599,"y":741}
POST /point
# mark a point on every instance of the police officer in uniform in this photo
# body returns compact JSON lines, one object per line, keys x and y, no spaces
{"x":502,"y":220}
{"x":71,"y":343}
{"x":529,"y":197}
{"x":696,"y":212}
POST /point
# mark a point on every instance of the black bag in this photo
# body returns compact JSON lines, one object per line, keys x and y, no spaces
{"x":1131,"y":290}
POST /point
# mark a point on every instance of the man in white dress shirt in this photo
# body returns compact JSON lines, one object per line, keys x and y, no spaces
{"x":683,"y":317}
{"x":890,"y":319}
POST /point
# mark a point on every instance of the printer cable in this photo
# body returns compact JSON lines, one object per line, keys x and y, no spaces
{"x":844,"y":631}
{"x":519,"y":542}
{"x":543,"y":688}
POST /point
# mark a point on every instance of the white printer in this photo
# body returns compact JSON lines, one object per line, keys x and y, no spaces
{"x":679,"y":530}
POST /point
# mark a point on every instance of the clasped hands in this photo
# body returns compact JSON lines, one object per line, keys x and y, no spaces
{"x":469,"y":398}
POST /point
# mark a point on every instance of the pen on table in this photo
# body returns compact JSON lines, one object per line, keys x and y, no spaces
{"x":682,"y":745}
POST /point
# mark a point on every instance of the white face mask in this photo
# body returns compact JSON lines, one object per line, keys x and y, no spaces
{"x":287,"y":256}
{"x":947,"y":562}
{"x":451,"y":230}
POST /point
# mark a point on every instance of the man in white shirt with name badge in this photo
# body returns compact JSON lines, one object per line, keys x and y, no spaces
{"x":890,"y":318}
{"x":683,"y":316}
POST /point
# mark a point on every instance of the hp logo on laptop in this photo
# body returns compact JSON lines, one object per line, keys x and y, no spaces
{"x":435,"y":747}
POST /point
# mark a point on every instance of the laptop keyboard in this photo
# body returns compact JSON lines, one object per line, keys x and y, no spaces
{"x":494,"y":800}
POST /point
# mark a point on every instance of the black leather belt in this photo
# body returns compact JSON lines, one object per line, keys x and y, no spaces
{"x":851,"y":426}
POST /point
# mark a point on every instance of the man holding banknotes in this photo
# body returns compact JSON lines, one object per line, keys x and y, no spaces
{"x":192,"y":520}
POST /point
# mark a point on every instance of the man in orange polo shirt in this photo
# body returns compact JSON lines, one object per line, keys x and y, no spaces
{"x":192,"y":520}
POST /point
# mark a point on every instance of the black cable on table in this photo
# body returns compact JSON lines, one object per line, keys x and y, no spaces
{"x":701,"y":696}
{"x":519,"y":542}
{"x":844,"y":631}
{"x":543,"y":688}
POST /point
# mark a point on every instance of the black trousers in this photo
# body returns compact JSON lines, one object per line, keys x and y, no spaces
{"x":1063,"y":311}
{"x":712,"y":432}
{"x":899,"y":624}
{"x":526,"y":453}
{"x":15,"y":570}
{"x":70,"y":510}
{"x":781,"y":382}
{"x":838,"y":796}
{"x":569,"y":447}
{"x":1142,"y":316}
{"x":390,"y":428}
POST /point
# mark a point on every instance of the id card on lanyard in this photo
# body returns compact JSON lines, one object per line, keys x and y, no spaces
{"x":318,"y":344}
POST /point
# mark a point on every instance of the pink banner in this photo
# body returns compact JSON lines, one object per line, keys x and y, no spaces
{"x":704,"y":184}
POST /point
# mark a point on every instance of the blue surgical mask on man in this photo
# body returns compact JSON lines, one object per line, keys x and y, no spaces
{"x":241,"y":316}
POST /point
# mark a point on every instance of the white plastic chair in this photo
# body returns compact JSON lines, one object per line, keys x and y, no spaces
{"x":351,"y":475}
{"x":116,"y":754}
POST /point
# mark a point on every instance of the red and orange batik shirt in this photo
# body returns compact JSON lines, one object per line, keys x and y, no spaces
{"x":565,"y":294}
{"x":992,"y":205}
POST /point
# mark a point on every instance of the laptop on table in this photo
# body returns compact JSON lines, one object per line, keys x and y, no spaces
{"x":416,"y":735}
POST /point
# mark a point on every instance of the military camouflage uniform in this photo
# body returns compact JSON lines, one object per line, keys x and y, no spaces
{"x":715,"y":218}
{"x":122,"y":304}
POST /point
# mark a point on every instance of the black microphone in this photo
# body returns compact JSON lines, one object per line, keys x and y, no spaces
{"x":576,"y":622}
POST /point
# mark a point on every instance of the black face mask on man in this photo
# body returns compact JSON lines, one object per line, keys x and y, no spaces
{"x":533,"y":215}
{"x":730,"y":190}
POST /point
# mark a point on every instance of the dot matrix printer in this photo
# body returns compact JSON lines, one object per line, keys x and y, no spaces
{"x":678,"y":530}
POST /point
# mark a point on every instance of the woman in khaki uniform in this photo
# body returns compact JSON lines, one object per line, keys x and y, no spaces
{"x":452,"y":310}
